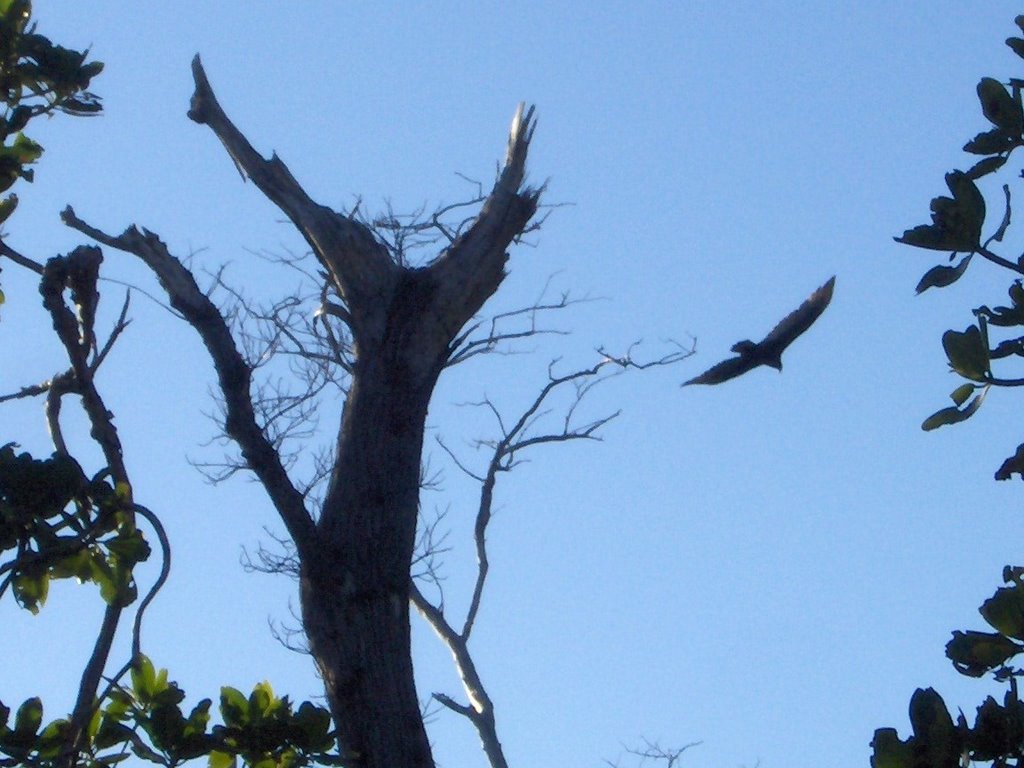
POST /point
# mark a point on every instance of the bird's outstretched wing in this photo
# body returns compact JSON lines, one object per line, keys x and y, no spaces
{"x":798,"y":321}
{"x":725,"y":370}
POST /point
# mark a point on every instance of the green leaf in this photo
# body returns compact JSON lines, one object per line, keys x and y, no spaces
{"x":992,"y":142}
{"x":986,"y":166}
{"x":29,"y":717}
{"x":1004,"y":611}
{"x":969,"y":203}
{"x":31,"y":589}
{"x":120,"y":703}
{"x":25,"y":150}
{"x":7,"y":206}
{"x":943,"y":418}
{"x":889,"y":752}
{"x":975,"y":653}
{"x":160,"y":685}
{"x":113,"y":759}
{"x":117,"y":587}
{"x":956,"y":221}
{"x":112,"y":732}
{"x":1013,"y":465}
{"x":953,"y":415}
{"x":1005,"y":223}
{"x":1016,"y":293}
{"x":261,"y":701}
{"x":962,"y":393}
{"x":167,"y":727}
{"x":942,"y":276}
{"x":967,"y":353}
{"x":1005,"y":317}
{"x":221,"y":760}
{"x":81,"y":107}
{"x":130,"y":547}
{"x":143,"y":679}
{"x":77,"y":565}
{"x":141,"y":749}
{"x":15,"y":10}
{"x":314,"y":724}
{"x":52,"y":739}
{"x":999,"y":107}
{"x":996,"y":730}
{"x":935,"y":737}
{"x":92,"y":69}
{"x":199,"y":718}
{"x":234,"y":707}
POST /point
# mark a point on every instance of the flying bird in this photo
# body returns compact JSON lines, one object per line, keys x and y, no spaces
{"x":769,"y":350}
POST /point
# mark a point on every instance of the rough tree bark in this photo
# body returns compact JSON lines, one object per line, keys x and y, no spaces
{"x":355,"y":558}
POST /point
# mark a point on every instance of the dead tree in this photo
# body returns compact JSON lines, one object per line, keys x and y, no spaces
{"x":355,"y":556}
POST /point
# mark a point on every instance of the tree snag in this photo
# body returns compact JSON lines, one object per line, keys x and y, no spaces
{"x":355,"y":557}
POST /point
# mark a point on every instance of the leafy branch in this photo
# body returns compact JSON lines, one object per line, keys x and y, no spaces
{"x":958,"y":224}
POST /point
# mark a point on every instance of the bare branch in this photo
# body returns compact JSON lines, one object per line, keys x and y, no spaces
{"x":455,"y":459}
{"x":77,"y":340}
{"x":997,"y":259}
{"x":480,"y":711}
{"x":33,"y":390}
{"x":359,"y":265}
{"x":115,"y":333}
{"x":233,"y":373}
{"x":498,"y":332}
{"x":290,"y":637}
{"x":272,"y":562}
{"x":453,"y":705}
{"x":525,"y":432}
{"x":471,"y":269}
{"x":431,"y":544}
{"x":653,"y":751}
{"x":17,"y":258}
{"x":294,"y":369}
{"x":58,"y":386}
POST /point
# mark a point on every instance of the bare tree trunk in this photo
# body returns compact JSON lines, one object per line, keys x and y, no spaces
{"x":355,"y":590}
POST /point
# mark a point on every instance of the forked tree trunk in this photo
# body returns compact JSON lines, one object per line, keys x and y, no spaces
{"x":355,"y":559}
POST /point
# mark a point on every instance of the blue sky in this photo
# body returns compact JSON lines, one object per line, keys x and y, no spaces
{"x":770,"y":567}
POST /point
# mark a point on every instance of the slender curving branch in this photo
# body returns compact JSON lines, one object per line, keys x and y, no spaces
{"x":515,"y":437}
{"x":165,"y":571}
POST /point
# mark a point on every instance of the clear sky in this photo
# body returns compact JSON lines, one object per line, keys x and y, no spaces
{"x":771,"y":566}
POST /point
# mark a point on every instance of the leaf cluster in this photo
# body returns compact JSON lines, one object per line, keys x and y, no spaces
{"x":958,"y":223}
{"x":997,"y":735}
{"x":55,"y":523}
{"x":145,"y":719}
{"x":37,"y":78}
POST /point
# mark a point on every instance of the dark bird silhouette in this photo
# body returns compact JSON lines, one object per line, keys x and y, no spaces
{"x":769,"y":350}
